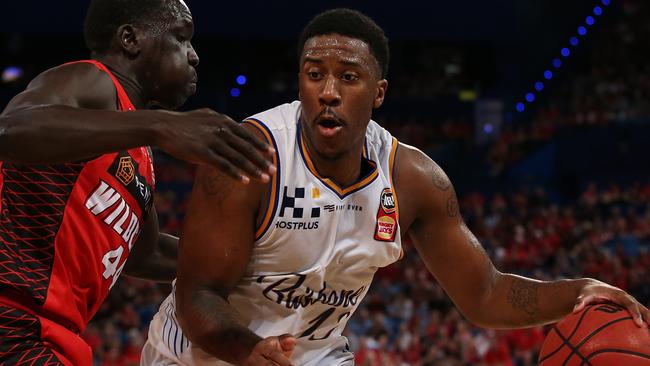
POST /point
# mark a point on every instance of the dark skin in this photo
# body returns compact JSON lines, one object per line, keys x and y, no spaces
{"x":340,"y":80}
{"x":68,"y":113}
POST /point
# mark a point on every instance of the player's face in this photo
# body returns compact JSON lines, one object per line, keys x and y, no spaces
{"x":170,"y":61}
{"x":340,"y":84}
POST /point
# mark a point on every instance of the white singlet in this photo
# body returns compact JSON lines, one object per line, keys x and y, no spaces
{"x":314,"y":255}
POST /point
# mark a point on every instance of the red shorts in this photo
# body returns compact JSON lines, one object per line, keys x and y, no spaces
{"x":28,"y":339}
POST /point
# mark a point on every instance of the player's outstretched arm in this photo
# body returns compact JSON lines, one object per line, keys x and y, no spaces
{"x":429,"y":210}
{"x":69,"y":114}
{"x":215,"y":249}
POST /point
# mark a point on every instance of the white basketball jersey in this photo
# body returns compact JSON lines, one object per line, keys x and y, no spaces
{"x":315,"y":253}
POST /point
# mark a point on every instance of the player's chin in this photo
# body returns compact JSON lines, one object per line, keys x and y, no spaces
{"x":173,"y":103}
{"x":186,"y":92}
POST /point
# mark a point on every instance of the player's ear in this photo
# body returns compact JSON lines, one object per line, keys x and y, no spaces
{"x":128,"y":39}
{"x":382,"y":85}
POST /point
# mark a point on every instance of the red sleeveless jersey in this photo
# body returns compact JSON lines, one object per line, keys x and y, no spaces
{"x":66,"y":230}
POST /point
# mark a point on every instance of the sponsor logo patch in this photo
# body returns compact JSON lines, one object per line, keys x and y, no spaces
{"x":386,"y":217}
{"x":385,"y":228}
{"x":125,"y":170}
{"x":388,"y":201}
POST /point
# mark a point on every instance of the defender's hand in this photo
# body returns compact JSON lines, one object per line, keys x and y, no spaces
{"x":596,"y":292}
{"x":204,"y":136}
{"x":272,"y":351}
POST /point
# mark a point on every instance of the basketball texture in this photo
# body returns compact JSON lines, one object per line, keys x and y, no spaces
{"x":599,"y":335}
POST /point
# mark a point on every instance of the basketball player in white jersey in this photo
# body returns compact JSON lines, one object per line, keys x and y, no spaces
{"x":269,"y":274}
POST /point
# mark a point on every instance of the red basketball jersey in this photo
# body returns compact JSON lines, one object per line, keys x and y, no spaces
{"x":66,"y":230}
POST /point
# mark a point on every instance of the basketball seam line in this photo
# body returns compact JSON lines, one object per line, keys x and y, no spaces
{"x":574,"y":350}
{"x":593,"y":334}
{"x":573,"y":332}
{"x":618,"y":351}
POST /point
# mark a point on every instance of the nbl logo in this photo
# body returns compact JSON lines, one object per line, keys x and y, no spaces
{"x":388,"y":201}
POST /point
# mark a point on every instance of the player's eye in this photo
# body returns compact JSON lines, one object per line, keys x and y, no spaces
{"x":315,"y":75}
{"x":348,"y":76}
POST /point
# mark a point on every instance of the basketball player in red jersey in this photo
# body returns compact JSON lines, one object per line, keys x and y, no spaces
{"x":76,"y":177}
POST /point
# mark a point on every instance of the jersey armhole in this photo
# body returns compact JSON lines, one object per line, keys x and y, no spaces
{"x":391,"y":174}
{"x":272,"y":197}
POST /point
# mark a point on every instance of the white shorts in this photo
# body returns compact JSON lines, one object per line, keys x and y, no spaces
{"x":167,"y":346}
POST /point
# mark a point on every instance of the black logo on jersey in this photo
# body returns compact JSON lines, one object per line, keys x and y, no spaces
{"x":126,"y":170}
{"x":290,"y":209}
{"x":289,"y":204}
{"x":345,"y":206}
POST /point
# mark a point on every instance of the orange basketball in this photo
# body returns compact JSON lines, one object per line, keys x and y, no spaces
{"x":599,"y":335}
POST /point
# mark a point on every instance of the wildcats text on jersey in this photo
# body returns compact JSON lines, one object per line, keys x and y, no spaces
{"x":121,"y":219}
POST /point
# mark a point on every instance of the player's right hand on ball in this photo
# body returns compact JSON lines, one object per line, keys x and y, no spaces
{"x":204,"y":136}
{"x":272,"y":351}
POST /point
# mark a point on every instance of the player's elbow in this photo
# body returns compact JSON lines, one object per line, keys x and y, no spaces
{"x":482,"y":308}
{"x":477,"y":316}
{"x":195,"y":318}
{"x":484,"y":319}
{"x":187,"y":316}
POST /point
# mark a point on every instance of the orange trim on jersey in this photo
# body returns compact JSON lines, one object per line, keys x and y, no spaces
{"x":273,"y":194}
{"x":391,"y":171}
{"x":330,"y":183}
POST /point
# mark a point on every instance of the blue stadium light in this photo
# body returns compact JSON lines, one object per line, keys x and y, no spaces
{"x":565,"y":53}
{"x":530,"y":97}
{"x":12,"y":73}
{"x":557,"y":63}
{"x":488,"y":128}
{"x":520,"y":107}
{"x":235,"y":92}
{"x":241,"y":80}
{"x":548,"y":74}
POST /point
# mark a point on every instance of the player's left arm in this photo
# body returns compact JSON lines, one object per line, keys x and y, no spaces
{"x":429,"y":210}
{"x":153,"y":256}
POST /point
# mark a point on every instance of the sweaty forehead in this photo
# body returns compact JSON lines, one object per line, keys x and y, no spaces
{"x":334,"y":44}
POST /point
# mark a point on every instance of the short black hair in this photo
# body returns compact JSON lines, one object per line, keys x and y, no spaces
{"x":104,"y":17}
{"x":353,"y":24}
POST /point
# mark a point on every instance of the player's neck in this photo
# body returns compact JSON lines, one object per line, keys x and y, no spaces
{"x":125,"y":76}
{"x":344,"y":170}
